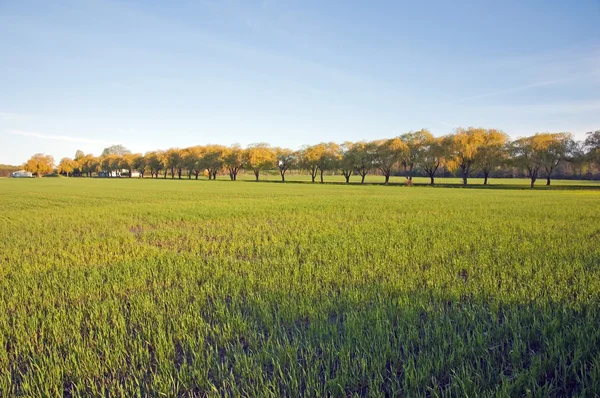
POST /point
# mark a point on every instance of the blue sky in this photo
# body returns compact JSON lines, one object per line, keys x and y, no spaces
{"x":153,"y":74}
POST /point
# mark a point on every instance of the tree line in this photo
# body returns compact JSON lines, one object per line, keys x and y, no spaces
{"x":467,"y":150}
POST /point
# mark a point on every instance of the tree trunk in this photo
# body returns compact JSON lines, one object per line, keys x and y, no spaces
{"x":321,"y":176}
{"x":256,"y":172}
{"x":432,"y":180}
{"x":362,"y":178}
{"x":347,"y":178}
{"x":282,"y":175}
{"x":179,"y":173}
{"x":387,"y":178}
{"x":485,"y":178}
{"x":533,"y":181}
{"x":166,"y":171}
{"x":464,"y":180}
{"x":172,"y":173}
{"x":215,"y":175}
{"x":547,"y":181}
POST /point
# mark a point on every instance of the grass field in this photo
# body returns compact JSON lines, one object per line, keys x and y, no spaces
{"x":520,"y":183}
{"x":128,"y":287}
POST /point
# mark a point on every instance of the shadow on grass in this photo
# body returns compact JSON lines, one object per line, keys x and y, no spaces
{"x":335,"y":339}
{"x":440,"y":185}
{"x":540,"y":187}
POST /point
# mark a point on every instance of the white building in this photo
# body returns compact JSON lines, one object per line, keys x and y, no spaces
{"x":21,"y":174}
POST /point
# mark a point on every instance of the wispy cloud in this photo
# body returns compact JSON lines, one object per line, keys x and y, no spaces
{"x":543,"y":83}
{"x":553,"y":108}
{"x":58,"y":137}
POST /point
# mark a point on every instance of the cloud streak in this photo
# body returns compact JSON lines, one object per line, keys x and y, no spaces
{"x":58,"y":137}
{"x":544,"y":83}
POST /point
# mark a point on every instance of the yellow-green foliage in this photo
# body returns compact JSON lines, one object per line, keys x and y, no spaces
{"x":143,"y":287}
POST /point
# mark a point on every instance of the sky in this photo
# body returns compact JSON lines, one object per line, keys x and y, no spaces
{"x":154,"y":74}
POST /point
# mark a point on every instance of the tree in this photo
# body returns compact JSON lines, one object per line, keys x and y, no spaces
{"x":553,"y":149}
{"x":233,"y":160}
{"x":79,"y":156}
{"x":526,"y":155}
{"x":212,"y":160}
{"x":286,"y":158}
{"x":115,"y":150}
{"x":363,"y":154}
{"x":110,"y":163}
{"x":66,"y":165}
{"x":386,"y":155}
{"x":154,"y":162}
{"x":164,"y":162}
{"x":190,"y":158}
{"x":329,"y":157}
{"x":173,"y":161}
{"x":347,"y":162}
{"x":433,"y":156}
{"x":309,"y":159}
{"x":492,"y":152}
{"x":89,"y":164}
{"x":260,"y":157}
{"x":139,"y":163}
{"x":129,"y":162}
{"x":592,"y":145}
{"x":40,"y":164}
{"x":411,"y":151}
{"x":578,"y":158}
{"x":462,"y":150}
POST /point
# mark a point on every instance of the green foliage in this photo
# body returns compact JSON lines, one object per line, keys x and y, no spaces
{"x":152,"y":288}
{"x":114,"y":150}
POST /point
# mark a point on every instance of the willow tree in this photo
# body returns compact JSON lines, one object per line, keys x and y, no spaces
{"x":286,"y":159}
{"x":189,"y":158}
{"x":347,"y":163}
{"x":433,"y":156}
{"x":592,"y":146}
{"x":154,"y":162}
{"x":411,"y":150}
{"x":329,"y":158}
{"x":89,"y":164}
{"x":40,"y":164}
{"x":492,"y":152}
{"x":364,"y":156}
{"x":233,"y":160}
{"x":212,"y":159}
{"x":66,"y":165}
{"x":387,"y":154}
{"x":526,"y":154}
{"x":139,"y":163}
{"x":110,"y":163}
{"x":260,"y":157}
{"x":309,"y":157}
{"x":172,"y":161}
{"x":553,"y":149}
{"x":130,"y":162}
{"x":463,"y":147}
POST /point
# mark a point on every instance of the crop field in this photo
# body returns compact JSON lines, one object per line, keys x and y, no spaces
{"x":129,"y":287}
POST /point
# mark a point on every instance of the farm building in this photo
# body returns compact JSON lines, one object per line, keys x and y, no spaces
{"x":118,"y":173}
{"x":21,"y":174}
